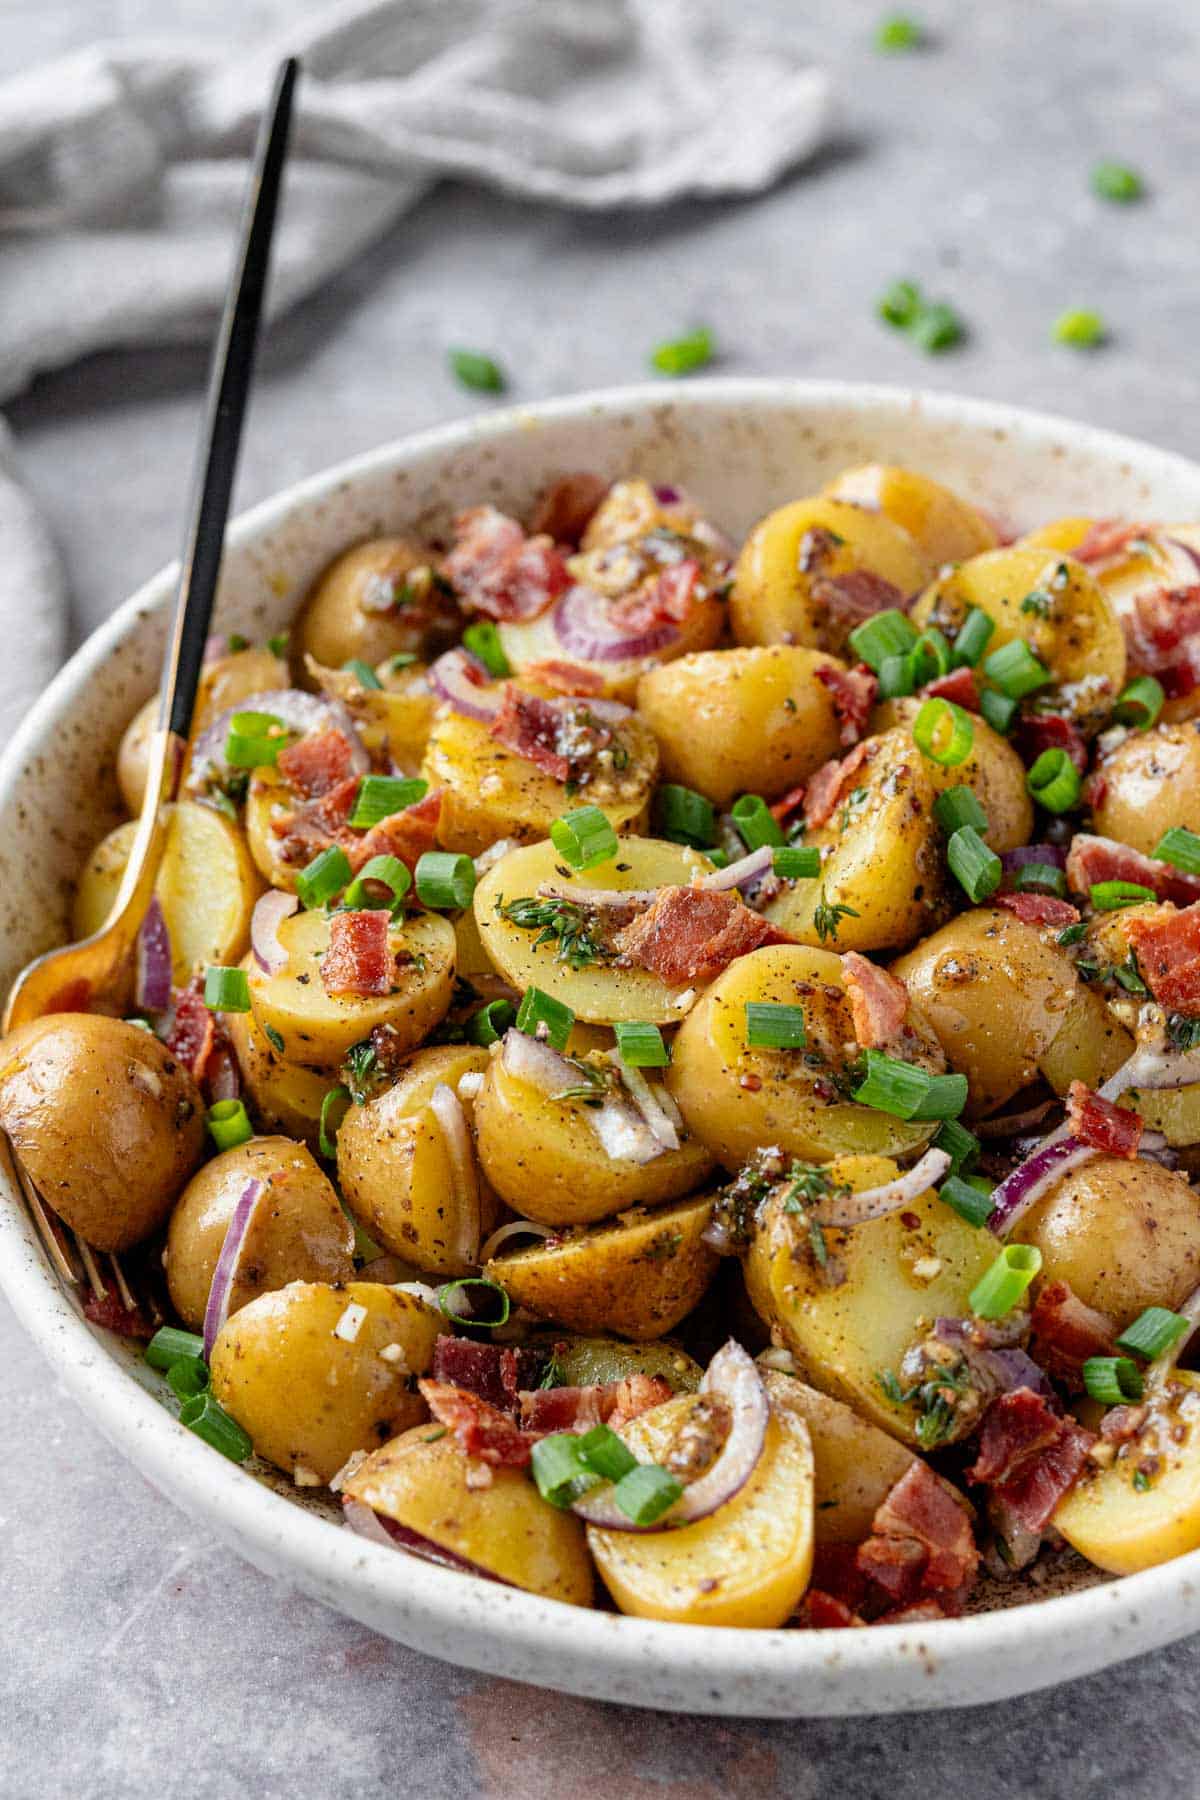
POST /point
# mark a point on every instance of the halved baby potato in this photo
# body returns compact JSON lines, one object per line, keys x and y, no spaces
{"x":1144,"y":1507}
{"x":638,"y":1275}
{"x":1148,"y":784}
{"x":225,"y":682}
{"x":284,"y":1096}
{"x":394,"y":719}
{"x":361,"y":608}
{"x":991,"y":769}
{"x":855,"y":1465}
{"x":944,"y":526}
{"x":316,"y":1028}
{"x":207,"y":886}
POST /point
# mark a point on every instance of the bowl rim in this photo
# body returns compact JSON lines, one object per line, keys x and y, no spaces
{"x":993,"y":1654}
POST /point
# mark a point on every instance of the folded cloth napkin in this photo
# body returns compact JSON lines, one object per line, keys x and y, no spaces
{"x":122,"y":169}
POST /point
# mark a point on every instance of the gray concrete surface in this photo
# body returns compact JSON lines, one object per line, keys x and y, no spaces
{"x":139,"y":1658}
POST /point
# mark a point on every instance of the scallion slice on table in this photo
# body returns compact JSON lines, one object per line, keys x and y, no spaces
{"x":444,"y":880}
{"x":1005,"y":1284}
{"x":584,"y":837}
{"x":226,"y":990}
{"x":1054,"y":781}
{"x":898,"y":32}
{"x":679,"y":356}
{"x":641,"y":1044}
{"x":379,"y":796}
{"x":899,"y":1088}
{"x":471,"y":369}
{"x":1080,"y":328}
{"x":1116,"y":181}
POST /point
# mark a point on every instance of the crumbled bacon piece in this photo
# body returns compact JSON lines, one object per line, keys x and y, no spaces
{"x":316,"y":763}
{"x":495,"y":569}
{"x":1121,"y":1424}
{"x":853,"y":694}
{"x":407,"y":834}
{"x":614,"y":1403}
{"x":323,"y":821}
{"x":1039,"y":909}
{"x":193,"y":1034}
{"x":1167,"y":947}
{"x":108,"y":1311}
{"x":571,"y":678}
{"x":1096,"y":1121}
{"x":691,"y":934}
{"x":878,"y":1002}
{"x":1092,"y":859}
{"x":554,"y":735}
{"x":1050,"y":731}
{"x":850,"y":598}
{"x":921,"y":1540}
{"x":1104,"y":538}
{"x":563,"y":511}
{"x":495,"y":1372}
{"x":1066,"y":1331}
{"x":826,"y":787}
{"x":820,"y":1611}
{"x":315,"y":824}
{"x":359,"y":959}
{"x":784,"y":810}
{"x":959,"y":687}
{"x":483,"y":1431}
{"x":668,"y":600}
{"x":1029,"y":1455}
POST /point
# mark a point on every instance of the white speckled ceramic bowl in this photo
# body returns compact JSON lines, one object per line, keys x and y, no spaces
{"x":742,"y":447}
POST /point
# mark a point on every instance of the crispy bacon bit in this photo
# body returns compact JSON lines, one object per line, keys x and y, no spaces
{"x":958,"y":686}
{"x":1066,"y":1331}
{"x":1050,"y":731}
{"x":571,"y":678}
{"x":316,"y":763}
{"x":1167,"y":947}
{"x":816,"y":549}
{"x":359,"y":959}
{"x":107,"y":1310}
{"x":878,"y":1002}
{"x":826,"y":787}
{"x":691,"y":934}
{"x":495,"y":569}
{"x":493,"y":1371}
{"x":850,"y":598}
{"x":820,"y":1611}
{"x":563,"y":512}
{"x":406,"y":834}
{"x":1029,"y":1456}
{"x":1114,"y":1129}
{"x":193,"y":1034}
{"x":554,"y":735}
{"x":483,"y":1431}
{"x":490,"y":1432}
{"x":853,"y":694}
{"x":1039,"y":909}
{"x":668,"y":600}
{"x":1091,"y":859}
{"x":614,"y":1403}
{"x":320,"y":822}
{"x":921,"y":1540}
{"x":784,"y":810}
{"x":1105,"y":538}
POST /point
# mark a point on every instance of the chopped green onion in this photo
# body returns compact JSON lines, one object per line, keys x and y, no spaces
{"x":956,"y":807}
{"x":445,"y":880}
{"x":482,"y":639}
{"x":967,"y":1201}
{"x":943,"y":732}
{"x":755,"y":822}
{"x":211,"y":1422}
{"x":1113,"y":1379}
{"x":646,"y":1493}
{"x":1071,"y":934}
{"x":1004,"y":1285}
{"x":403,"y":659}
{"x":584,"y":837}
{"x":559,"y":1470}
{"x":472,"y":370}
{"x":229,"y":1124}
{"x":960,"y":1145}
{"x":685,"y":817}
{"x":907,"y":1092}
{"x":541,"y":1016}
{"x":884,"y":634}
{"x":1181,"y":848}
{"x":977,"y":868}
{"x":930,"y":657}
{"x":679,"y":356}
{"x":717,"y":857}
{"x":169,"y":1345}
{"x":1152,"y":1332}
{"x":280,"y":644}
{"x":770,"y":1026}
{"x":641,"y":1044}
{"x":900,"y":304}
{"x":226,"y":990}
{"x":1140,"y":703}
{"x":188,"y":1377}
{"x":1015,"y":670}
{"x":474,"y":1281}
{"x":797,"y":862}
{"x":1112,"y":896}
{"x":974,"y":634}
{"x":937,"y":327}
{"x":896,"y":677}
{"x":1054,"y":781}
{"x":334,"y":1108}
{"x":898,"y":32}
{"x":386,"y":872}
{"x":604,"y":1453}
{"x":997,"y":709}
{"x":380,"y":796}
{"x":255,"y":740}
{"x":362,"y":672}
{"x":490,"y":1023}
{"x":324,"y":878}
{"x":1116,"y":181}
{"x":1079,"y":327}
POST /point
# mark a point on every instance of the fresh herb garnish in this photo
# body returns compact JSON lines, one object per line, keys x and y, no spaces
{"x":1080,"y":328}
{"x":361,"y":1062}
{"x":828,"y":915}
{"x":1116,"y":181}
{"x":473,"y":370}
{"x":679,"y":356}
{"x":556,"y":921}
{"x":1183,"y":1031}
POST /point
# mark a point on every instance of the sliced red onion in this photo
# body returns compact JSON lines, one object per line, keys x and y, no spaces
{"x":514,"y":1228}
{"x":380,"y":1530}
{"x":216,"y":645}
{"x":223,"y":1083}
{"x":1185,"y":559}
{"x":152,"y":987}
{"x":1006,"y":1366}
{"x":462,"y":679}
{"x":585,"y":629}
{"x":217,"y":1310}
{"x":645,"y":1098}
{"x":1054,"y":854}
{"x":846,"y":1210}
{"x":741,"y":873}
{"x":1151,"y":1066}
{"x":447,"y":1109}
{"x":624,"y":1135}
{"x":297,"y":710}
{"x":270,"y":910}
{"x":529,"y":1059}
{"x":487,"y":859}
{"x":716,"y":1236}
{"x":734,"y":1378}
{"x":666,"y":495}
{"x":1027,"y":1183}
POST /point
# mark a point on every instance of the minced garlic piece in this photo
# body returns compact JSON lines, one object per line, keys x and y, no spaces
{"x":350,"y":1323}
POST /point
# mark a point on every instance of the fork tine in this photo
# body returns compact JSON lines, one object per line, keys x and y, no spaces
{"x":87,"y":1258}
{"x":41,"y":1217}
{"x":123,"y":1288}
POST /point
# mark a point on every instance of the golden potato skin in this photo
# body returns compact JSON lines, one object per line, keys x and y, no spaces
{"x":1126,"y":1235}
{"x":284,"y":1096}
{"x":309,"y":1398}
{"x":333,"y":626}
{"x":991,"y":769}
{"x":777,"y":593}
{"x":735,"y":1098}
{"x":855,"y":1465}
{"x":637,"y":1276}
{"x":544,"y":1159}
{"x":106,"y":1120}
{"x":748,"y":720}
{"x":298,"y":1231}
{"x":945,"y":527}
{"x":1149,"y":783}
{"x":420,"y":1480}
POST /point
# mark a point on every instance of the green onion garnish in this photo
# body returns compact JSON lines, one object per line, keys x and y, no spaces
{"x":1181,"y":848}
{"x":1054,"y":781}
{"x":211,"y":1422}
{"x":255,"y":740}
{"x":188,"y":1377}
{"x":323,"y":878}
{"x":641,"y":1044}
{"x":379,"y":796}
{"x":1140,"y":703}
{"x":1079,"y":327}
{"x":797,"y":862}
{"x":169,"y":1344}
{"x":403,"y":659}
{"x":755,"y":822}
{"x":898,"y":32}
{"x":226,"y":990}
{"x":956,"y":807}
{"x":1116,"y":181}
{"x":771,"y":1026}
{"x":1152,"y":1332}
{"x":604,"y":1453}
{"x":1113,"y":1379}
{"x":474,"y":1281}
{"x":897,"y":678}
{"x":997,"y":709}
{"x":646,"y":1493}
{"x":684,"y":816}
{"x":679,"y":356}
{"x":472,"y":370}
{"x":490,"y":1023}
{"x":1015,"y":670}
{"x":482,"y":639}
{"x":386,"y":872}
{"x":1040,"y":878}
{"x":937,"y":327}
{"x":1003,"y":1286}
{"x":229,"y":1124}
{"x":559,"y":1470}
{"x":907,"y":1092}
{"x":900,"y":304}
{"x":334,"y":1107}
{"x":541,"y":1016}
{"x":584,"y":837}
{"x":1112,"y":896}
{"x":964,"y":1198}
{"x":960,"y":1145}
{"x":445,"y":880}
{"x":362,"y":672}
{"x":974,"y":635}
{"x":977,"y":868}
{"x":888,"y":633}
{"x":930,"y":657}
{"x":943,"y":732}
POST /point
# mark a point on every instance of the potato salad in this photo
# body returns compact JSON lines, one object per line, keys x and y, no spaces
{"x":665,"y":1073}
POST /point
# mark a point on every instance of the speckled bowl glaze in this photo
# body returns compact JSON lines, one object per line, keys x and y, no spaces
{"x":741,"y":447}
